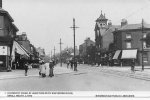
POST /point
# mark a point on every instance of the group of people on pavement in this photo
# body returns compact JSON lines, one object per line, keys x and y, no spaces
{"x":71,"y":63}
{"x":42,"y":68}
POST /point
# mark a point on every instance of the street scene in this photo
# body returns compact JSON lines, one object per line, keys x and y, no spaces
{"x":86,"y":79}
{"x":74,"y":45}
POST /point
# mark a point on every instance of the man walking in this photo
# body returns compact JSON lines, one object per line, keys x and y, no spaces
{"x":26,"y":68}
{"x":51,"y":66}
{"x":75,"y":65}
{"x":132,"y":65}
{"x":71,"y":63}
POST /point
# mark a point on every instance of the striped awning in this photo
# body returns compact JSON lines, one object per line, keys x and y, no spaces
{"x":129,"y":54}
{"x":18,"y":49}
{"x":117,"y":54}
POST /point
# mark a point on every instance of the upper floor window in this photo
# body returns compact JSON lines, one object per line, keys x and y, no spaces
{"x":144,"y":35}
{"x":144,"y":44}
{"x":128,"y":35}
{"x":128,"y":44}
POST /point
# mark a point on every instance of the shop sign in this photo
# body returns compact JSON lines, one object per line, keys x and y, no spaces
{"x":4,"y":50}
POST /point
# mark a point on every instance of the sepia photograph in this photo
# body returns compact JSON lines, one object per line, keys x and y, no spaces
{"x":75,"y":48}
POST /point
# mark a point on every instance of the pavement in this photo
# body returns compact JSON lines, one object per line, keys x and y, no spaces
{"x":117,"y":70}
{"x":33,"y":72}
{"x":126,"y":71}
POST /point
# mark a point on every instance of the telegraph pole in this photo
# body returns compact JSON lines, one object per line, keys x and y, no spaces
{"x":54,"y":53}
{"x":51,"y":55}
{"x":74,"y":28}
{"x":60,"y":53}
{"x":142,"y":46}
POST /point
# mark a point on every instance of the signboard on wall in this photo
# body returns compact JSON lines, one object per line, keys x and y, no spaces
{"x":4,"y":50}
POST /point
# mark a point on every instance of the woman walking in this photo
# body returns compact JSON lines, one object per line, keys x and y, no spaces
{"x":42,"y":69}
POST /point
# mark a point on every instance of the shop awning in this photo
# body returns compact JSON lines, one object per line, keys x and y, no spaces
{"x":129,"y":54}
{"x":26,"y":50}
{"x":117,"y":54}
{"x":17,"y":48}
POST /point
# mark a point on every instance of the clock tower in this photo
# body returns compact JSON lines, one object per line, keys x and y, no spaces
{"x":100,"y":28}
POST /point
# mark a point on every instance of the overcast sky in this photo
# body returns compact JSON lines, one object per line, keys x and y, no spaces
{"x":46,"y":21}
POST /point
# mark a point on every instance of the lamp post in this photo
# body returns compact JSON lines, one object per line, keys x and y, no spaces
{"x":142,"y":46}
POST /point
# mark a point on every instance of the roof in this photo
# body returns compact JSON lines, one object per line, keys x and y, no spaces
{"x":133,"y":26}
{"x":5,"y":12}
{"x":110,"y":29}
{"x":83,"y":44}
{"x":101,"y":17}
{"x":15,"y":27}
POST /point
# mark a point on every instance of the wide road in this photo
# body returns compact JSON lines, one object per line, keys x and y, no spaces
{"x":87,"y":78}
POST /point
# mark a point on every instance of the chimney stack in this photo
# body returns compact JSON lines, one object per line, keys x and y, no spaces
{"x":124,"y":22}
{"x":0,"y":3}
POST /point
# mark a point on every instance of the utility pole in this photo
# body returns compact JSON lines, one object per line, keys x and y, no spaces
{"x":51,"y":55}
{"x":74,"y":28}
{"x":60,"y":53}
{"x":142,"y":46}
{"x":54,"y":53}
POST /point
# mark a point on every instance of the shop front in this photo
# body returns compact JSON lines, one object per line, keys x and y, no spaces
{"x":18,"y":56}
{"x":128,"y":56}
{"x":4,"y":58}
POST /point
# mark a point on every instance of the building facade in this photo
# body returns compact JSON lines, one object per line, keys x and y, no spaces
{"x":129,"y":39}
{"x":84,"y":49}
{"x":8,"y":32}
{"x":104,"y":39}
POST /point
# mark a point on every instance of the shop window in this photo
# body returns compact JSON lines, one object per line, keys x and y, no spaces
{"x":128,"y":36}
{"x":128,"y":44}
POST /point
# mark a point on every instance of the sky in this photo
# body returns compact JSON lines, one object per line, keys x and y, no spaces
{"x":46,"y":21}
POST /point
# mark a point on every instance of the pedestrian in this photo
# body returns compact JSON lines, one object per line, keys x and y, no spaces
{"x":26,"y":68}
{"x":71,"y":63}
{"x":132,"y":65}
{"x":75,"y":65}
{"x":51,"y":68}
{"x":68,"y":64}
{"x":42,"y":69}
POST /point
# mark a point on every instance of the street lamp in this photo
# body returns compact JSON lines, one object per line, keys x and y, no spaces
{"x":142,"y":46}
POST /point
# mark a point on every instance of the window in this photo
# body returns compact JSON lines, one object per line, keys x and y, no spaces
{"x":144,"y":44}
{"x":145,"y":57}
{"x":128,"y":36}
{"x":144,"y":35}
{"x":128,"y":44}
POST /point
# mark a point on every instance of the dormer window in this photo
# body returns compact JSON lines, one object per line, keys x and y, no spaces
{"x":128,"y":35}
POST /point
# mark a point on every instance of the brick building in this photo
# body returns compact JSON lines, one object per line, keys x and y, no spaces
{"x":128,"y":40}
{"x":8,"y":32}
{"x":84,"y":49}
{"x":104,"y":39}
